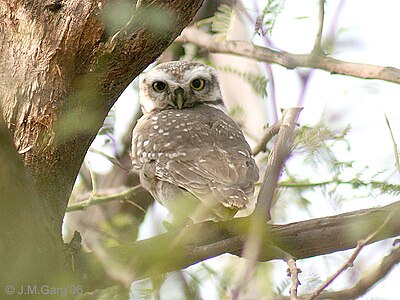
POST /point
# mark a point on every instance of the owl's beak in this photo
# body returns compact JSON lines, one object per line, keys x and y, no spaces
{"x":179,"y":97}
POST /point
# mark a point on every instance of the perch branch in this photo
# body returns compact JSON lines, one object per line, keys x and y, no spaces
{"x":209,"y":239}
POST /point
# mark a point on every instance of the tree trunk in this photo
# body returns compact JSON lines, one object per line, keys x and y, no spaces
{"x":63,"y":65}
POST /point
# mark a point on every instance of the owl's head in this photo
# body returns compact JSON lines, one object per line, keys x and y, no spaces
{"x":179,"y":85}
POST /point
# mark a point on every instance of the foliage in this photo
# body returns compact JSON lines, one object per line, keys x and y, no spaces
{"x":266,"y":20}
{"x":257,"y":82}
{"x":222,"y":22}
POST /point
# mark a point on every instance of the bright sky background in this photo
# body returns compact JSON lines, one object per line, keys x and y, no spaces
{"x":368,"y":33}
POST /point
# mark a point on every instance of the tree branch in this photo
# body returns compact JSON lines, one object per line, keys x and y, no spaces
{"x":276,"y":159}
{"x":268,"y":134}
{"x":177,"y":250}
{"x":350,"y":262}
{"x":293,"y":273}
{"x":318,"y":39}
{"x":290,"y":60}
{"x":370,"y":278}
{"x":96,"y":200}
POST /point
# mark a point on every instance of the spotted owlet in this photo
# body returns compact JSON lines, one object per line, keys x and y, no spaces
{"x":190,"y":155}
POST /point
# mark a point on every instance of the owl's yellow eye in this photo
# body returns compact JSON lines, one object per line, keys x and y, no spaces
{"x":197,"y":84}
{"x":159,"y":86}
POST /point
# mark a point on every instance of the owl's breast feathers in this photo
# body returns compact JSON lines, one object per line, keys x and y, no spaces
{"x":201,"y":150}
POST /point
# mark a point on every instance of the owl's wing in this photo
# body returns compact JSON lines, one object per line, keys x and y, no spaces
{"x":200,"y":150}
{"x":215,"y":176}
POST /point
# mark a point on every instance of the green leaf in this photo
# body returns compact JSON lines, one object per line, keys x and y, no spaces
{"x":257,"y":82}
{"x":222,"y":22}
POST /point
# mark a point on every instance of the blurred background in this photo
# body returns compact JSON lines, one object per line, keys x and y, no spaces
{"x":344,"y":158}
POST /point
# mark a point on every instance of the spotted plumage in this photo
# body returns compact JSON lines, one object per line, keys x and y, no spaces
{"x":189,"y":154}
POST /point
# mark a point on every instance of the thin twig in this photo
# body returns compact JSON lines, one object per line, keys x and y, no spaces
{"x":95,"y":200}
{"x":318,"y":39}
{"x":396,"y":151}
{"x":349,"y":263}
{"x":289,"y":60}
{"x":293,"y":272}
{"x":109,"y":158}
{"x":270,"y":74}
{"x":268,"y":134}
{"x":92,"y":178}
{"x":370,"y":278}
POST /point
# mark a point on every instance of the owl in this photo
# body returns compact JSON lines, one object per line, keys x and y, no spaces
{"x":190,"y":155}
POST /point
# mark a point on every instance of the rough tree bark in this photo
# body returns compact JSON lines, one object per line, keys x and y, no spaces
{"x":62,"y":68}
